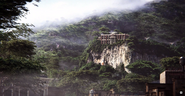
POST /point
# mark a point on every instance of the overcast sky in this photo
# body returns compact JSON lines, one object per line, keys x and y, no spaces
{"x":54,"y":10}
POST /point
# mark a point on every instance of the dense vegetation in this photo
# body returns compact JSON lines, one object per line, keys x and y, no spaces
{"x":161,"y":23}
{"x":17,"y":64}
{"x":156,"y":29}
{"x":63,"y":50}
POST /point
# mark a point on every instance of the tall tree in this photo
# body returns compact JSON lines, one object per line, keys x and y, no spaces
{"x":13,"y":45}
{"x":170,"y":62}
{"x":145,"y":68}
{"x":12,"y":10}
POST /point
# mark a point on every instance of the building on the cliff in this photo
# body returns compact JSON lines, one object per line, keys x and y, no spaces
{"x":172,"y":83}
{"x":112,"y":38}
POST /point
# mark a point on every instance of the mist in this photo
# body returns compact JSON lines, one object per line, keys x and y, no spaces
{"x":66,"y":11}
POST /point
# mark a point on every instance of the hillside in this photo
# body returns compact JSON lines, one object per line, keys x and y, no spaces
{"x":73,"y":51}
{"x":162,"y":22}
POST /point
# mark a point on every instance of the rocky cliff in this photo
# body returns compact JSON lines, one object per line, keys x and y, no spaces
{"x":117,"y":55}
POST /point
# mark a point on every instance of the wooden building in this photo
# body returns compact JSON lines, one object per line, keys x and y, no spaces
{"x":112,"y":38}
{"x":172,"y":83}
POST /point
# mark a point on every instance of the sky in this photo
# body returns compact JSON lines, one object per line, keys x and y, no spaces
{"x":58,"y":10}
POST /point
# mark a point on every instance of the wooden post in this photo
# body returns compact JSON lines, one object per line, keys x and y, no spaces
{"x":27,"y":93}
{"x":19,"y":92}
{"x":157,"y":92}
{"x":44,"y":92}
{"x":106,"y":40}
{"x":3,"y":92}
{"x":174,"y":87}
{"x":11,"y":92}
{"x":101,"y":39}
{"x":147,"y":90}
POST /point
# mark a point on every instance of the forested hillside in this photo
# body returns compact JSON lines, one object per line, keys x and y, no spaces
{"x":162,"y":22}
{"x":155,"y":29}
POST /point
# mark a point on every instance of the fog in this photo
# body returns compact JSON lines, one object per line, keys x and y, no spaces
{"x":65,"y":11}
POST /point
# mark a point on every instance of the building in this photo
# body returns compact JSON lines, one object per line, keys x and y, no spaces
{"x":172,"y":83}
{"x":112,"y":38}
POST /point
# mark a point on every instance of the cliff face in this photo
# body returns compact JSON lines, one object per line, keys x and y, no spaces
{"x":117,"y":55}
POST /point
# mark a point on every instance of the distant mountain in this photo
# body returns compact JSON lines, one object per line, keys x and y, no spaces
{"x":162,"y":22}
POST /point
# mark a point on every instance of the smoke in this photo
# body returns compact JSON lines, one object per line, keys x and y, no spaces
{"x":70,"y":10}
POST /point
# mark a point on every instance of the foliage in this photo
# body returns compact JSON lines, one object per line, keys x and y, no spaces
{"x":160,"y":22}
{"x":180,"y":46}
{"x":96,"y":33}
{"x":106,"y":68}
{"x":16,"y":64}
{"x":12,"y":11}
{"x":19,"y":66}
{"x":23,"y":30}
{"x":76,"y":81}
{"x":95,"y":46}
{"x":106,"y":75}
{"x":145,"y":68}
{"x":170,"y":62}
{"x":90,"y":66}
{"x":134,"y":75}
{"x":110,"y":84}
{"x":12,"y":45}
{"x":132,"y":84}
{"x":121,"y":70}
{"x":14,"y":51}
{"x":151,"y":47}
{"x":85,"y":74}
{"x":17,"y":48}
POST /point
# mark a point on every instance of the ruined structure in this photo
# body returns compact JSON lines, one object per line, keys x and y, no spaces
{"x":42,"y":90}
{"x":112,"y":38}
{"x":111,"y":92}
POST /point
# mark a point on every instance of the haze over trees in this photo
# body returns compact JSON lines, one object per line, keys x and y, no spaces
{"x":156,"y":29}
{"x":63,"y":50}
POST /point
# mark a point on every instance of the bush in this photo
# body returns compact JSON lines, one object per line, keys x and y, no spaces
{"x":90,"y":66}
{"x":145,"y":68}
{"x":107,"y":68}
{"x":170,"y":62}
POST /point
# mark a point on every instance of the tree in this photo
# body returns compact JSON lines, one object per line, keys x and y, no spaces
{"x":170,"y":62}
{"x":12,"y":44}
{"x":145,"y":68}
{"x":78,"y":82}
{"x":106,"y":68}
{"x":104,"y":29}
{"x":132,"y":84}
{"x":96,"y":33}
{"x":17,"y":48}
{"x":14,"y":49}
{"x":10,"y":11}
{"x":19,"y":66}
{"x":90,"y":66}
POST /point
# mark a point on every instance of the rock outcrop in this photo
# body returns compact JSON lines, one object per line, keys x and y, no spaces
{"x":117,"y":55}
